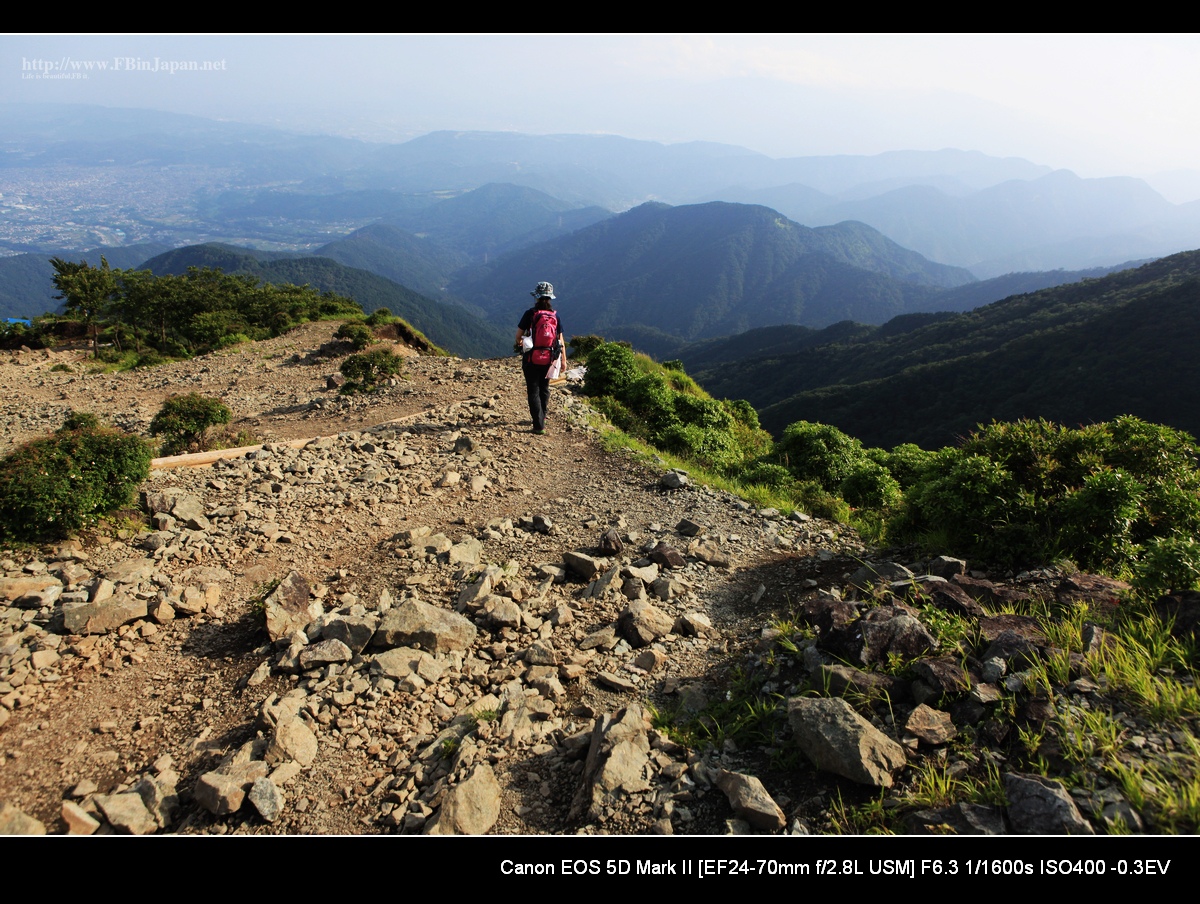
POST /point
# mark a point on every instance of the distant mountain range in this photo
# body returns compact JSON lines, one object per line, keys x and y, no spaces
{"x":963,"y":208}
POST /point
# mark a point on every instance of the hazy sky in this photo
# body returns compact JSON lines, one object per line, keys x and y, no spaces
{"x":1099,"y":105}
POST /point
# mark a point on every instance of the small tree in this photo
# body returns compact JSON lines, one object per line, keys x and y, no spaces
{"x":86,"y":290}
{"x":356,"y":334}
{"x":183,"y":420}
{"x":363,"y":371}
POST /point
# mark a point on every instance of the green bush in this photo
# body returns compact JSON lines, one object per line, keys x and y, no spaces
{"x":379,"y":317}
{"x":1032,"y":491}
{"x":52,"y":487}
{"x":906,"y":463}
{"x":582,"y":346}
{"x":611,"y":368}
{"x":364,"y":370}
{"x":869,"y":485}
{"x":183,"y":420}
{"x":79,"y":420}
{"x":1168,"y":565}
{"x":818,"y":452}
{"x":356,"y":334}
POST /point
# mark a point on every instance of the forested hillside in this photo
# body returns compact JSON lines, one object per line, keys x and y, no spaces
{"x":1074,"y":354}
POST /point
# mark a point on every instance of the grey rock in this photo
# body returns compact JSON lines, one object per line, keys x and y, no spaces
{"x":266,"y":798}
{"x":694,"y":624}
{"x":673,"y":480}
{"x":292,"y":740}
{"x":471,"y":807}
{"x":616,"y":762}
{"x":352,"y":630}
{"x":434,"y":629}
{"x":751,"y":802}
{"x":642,"y":624}
{"x":102,"y":617}
{"x":291,"y":607}
{"x":1042,"y":806}
{"x":843,"y":680}
{"x":960,"y":819}
{"x":14,"y":822}
{"x":837,"y":739}
{"x":323,"y":653}
{"x":583,"y":565}
{"x":126,"y":813}
{"x":931,"y":725}
{"x":868,"y":576}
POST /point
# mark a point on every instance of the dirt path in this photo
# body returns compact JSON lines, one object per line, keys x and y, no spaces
{"x":119,"y":703}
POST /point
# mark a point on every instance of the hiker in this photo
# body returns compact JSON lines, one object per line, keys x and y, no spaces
{"x":543,"y":325}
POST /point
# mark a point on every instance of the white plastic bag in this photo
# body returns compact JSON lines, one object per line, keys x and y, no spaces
{"x":526,"y":343}
{"x":552,"y":373}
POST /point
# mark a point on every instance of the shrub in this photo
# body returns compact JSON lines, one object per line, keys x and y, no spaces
{"x":79,"y":420}
{"x":1169,"y":565}
{"x":61,"y":368}
{"x":363,"y":371}
{"x":356,"y":334}
{"x":183,"y":420}
{"x":611,"y":368}
{"x":1034,"y":491}
{"x":583,"y":346}
{"x":52,"y":487}
{"x":818,"y":452}
{"x":870,"y":485}
{"x":673,"y":364}
{"x":379,"y":317}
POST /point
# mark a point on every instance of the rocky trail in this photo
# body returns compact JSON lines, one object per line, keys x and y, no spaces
{"x":427,"y":620}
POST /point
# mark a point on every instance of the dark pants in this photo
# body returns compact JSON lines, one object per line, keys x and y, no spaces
{"x":537,"y":386}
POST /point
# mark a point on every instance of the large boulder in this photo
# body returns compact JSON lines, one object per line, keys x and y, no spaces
{"x":414,"y":623}
{"x":837,"y":739}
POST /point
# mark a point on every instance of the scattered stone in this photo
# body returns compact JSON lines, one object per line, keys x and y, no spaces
{"x":930,"y":725}
{"x":1042,"y":806}
{"x":14,"y":822}
{"x":471,"y":807}
{"x":751,"y":802}
{"x":290,"y":607}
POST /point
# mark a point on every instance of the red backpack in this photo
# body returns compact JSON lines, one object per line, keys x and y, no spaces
{"x":545,"y":332}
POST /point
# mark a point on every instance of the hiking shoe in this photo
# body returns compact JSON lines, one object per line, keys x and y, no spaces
{"x":539,"y":432}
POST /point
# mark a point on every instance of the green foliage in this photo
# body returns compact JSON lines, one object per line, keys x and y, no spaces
{"x":666,"y":408}
{"x":364,"y":370}
{"x":54,"y":486}
{"x":673,"y":364}
{"x":356,"y":334}
{"x":582,"y":346}
{"x":611,"y":368}
{"x":79,"y":420}
{"x":183,"y":420}
{"x":379,"y":317}
{"x":870,"y":485}
{"x":819,"y":453}
{"x":1034,"y":491}
{"x":1169,"y":564}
